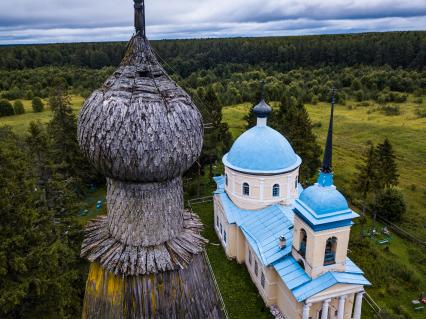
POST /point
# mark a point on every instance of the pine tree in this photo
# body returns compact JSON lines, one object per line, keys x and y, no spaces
{"x":217,"y":138}
{"x":366,"y":176}
{"x":387,"y":169}
{"x":292,"y":120}
{"x":40,"y":270}
{"x":38,"y":145}
{"x":65,"y":152}
{"x":365,"y":181}
{"x":389,"y":203}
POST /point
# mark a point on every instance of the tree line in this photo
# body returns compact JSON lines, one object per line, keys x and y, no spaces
{"x":381,"y":84}
{"x":396,"y":49}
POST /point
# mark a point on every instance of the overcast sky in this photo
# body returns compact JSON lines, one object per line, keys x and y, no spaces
{"x":42,"y":21}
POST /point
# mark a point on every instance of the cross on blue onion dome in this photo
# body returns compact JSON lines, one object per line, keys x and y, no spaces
{"x":261,"y":149}
{"x":262,"y":109}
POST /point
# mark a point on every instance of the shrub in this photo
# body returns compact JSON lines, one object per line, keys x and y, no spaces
{"x":418,"y":100}
{"x":359,"y":95}
{"x":6,"y":108}
{"x":420,"y":113}
{"x":18,"y":107}
{"x":12,"y":94}
{"x":391,"y":110}
{"x":317,"y":124}
{"x":38,"y":105}
{"x":389,"y":204}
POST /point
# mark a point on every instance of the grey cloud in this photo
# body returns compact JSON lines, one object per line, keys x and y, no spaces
{"x":37,"y":21}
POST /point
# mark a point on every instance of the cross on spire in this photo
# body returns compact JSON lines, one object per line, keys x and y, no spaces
{"x":262,"y":90}
{"x":140,"y":17}
{"x":328,"y":151}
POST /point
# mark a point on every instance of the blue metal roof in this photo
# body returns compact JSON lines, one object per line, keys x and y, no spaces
{"x":326,"y":281}
{"x":262,"y":150}
{"x":322,"y":206}
{"x":291,"y":272}
{"x":263,"y":228}
{"x":220,"y":182}
{"x":303,"y":287}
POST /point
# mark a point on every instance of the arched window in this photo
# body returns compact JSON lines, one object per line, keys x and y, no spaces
{"x":330,"y":251}
{"x":303,"y":240}
{"x":296,"y":182}
{"x":246,"y":189}
{"x":226,"y":179}
{"x":276,"y":190}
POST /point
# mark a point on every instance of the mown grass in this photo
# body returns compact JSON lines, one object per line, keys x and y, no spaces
{"x":19,"y":123}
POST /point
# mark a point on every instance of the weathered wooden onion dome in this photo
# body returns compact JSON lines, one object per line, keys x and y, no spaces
{"x":142,"y":131}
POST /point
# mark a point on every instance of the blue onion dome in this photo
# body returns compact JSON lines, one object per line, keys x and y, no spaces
{"x":262,"y":150}
{"x":324,"y":199}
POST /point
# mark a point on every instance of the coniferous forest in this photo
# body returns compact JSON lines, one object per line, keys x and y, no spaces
{"x":45,"y":181}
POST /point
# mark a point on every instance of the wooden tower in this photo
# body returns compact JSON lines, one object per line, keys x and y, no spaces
{"x":142,"y":131}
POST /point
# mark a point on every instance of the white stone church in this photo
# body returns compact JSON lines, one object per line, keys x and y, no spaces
{"x":294,"y":241}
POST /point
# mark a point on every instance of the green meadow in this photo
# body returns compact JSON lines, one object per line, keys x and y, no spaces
{"x":19,"y":123}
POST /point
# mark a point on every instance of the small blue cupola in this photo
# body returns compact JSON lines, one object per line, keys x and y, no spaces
{"x":261,"y":149}
{"x":322,"y":206}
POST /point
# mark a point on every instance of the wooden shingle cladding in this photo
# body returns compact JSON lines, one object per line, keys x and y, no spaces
{"x":142,"y":131}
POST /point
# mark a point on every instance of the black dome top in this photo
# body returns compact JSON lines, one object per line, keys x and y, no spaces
{"x":262,"y":109}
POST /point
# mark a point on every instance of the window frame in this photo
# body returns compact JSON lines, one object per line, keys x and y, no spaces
{"x":276,"y":190}
{"x":246,"y":189}
{"x":331,"y":251}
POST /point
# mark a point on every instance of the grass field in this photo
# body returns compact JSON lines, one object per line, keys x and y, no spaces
{"x":19,"y":123}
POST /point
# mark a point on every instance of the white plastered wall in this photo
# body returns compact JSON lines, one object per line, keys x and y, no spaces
{"x":315,"y":247}
{"x":261,"y":188}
